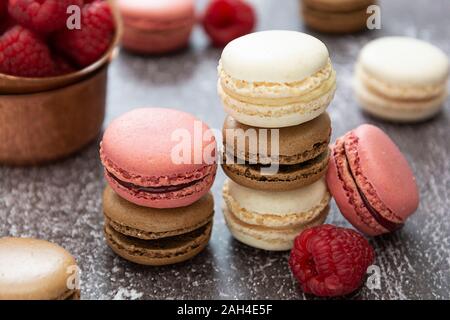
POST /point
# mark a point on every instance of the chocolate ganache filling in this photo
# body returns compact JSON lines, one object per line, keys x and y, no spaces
{"x":162,"y":189}
{"x":387,"y":224}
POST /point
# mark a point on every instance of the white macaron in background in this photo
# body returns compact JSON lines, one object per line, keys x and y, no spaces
{"x":401,"y":79}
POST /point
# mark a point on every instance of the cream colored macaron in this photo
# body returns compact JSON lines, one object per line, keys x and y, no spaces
{"x":275,"y":78}
{"x":32,"y":269}
{"x":401,"y":79}
{"x":271,"y":220}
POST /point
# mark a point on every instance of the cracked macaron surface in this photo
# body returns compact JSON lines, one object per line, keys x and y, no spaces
{"x":371,"y":181}
{"x":141,"y":154}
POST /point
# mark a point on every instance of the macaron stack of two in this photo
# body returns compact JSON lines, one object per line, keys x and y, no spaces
{"x":275,"y":87}
{"x":159,"y":165}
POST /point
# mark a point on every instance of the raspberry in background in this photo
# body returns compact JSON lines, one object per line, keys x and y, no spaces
{"x":24,"y":54}
{"x":87,"y":45}
{"x":330,"y":261}
{"x":226,"y":20}
{"x":43,"y":16}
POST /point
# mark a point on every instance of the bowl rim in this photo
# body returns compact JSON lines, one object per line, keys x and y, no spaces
{"x":86,"y":70}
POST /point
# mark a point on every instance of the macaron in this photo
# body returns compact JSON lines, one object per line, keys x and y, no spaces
{"x":401,"y":79}
{"x":336,"y":16}
{"x":256,"y":93}
{"x":371,"y":181}
{"x":159,"y":158}
{"x":156,"y":237}
{"x":155,"y":26}
{"x":33,"y":269}
{"x":271,"y":220}
{"x":299,"y":154}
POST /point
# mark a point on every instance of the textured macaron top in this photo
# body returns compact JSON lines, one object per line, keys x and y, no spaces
{"x":156,"y":9}
{"x":382,"y":171}
{"x":404,"y":61}
{"x":277,"y":56}
{"x":156,"y":146}
{"x":34,"y":269}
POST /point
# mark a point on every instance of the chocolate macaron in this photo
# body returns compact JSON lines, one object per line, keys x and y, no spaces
{"x":152,"y":236}
{"x":302,"y":154}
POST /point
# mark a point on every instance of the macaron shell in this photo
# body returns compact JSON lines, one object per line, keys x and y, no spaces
{"x":32,"y":269}
{"x":270,"y":239}
{"x":175,"y":199}
{"x":149,"y":223}
{"x":140,"y":144}
{"x":296,"y":144}
{"x":270,"y":116}
{"x":396,"y":109}
{"x":344,"y":191}
{"x":403,"y":61}
{"x":162,"y":252}
{"x":384,"y":171}
{"x":296,"y":55}
{"x":167,"y":10}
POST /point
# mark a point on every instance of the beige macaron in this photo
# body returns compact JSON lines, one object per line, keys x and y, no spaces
{"x":271,"y":220}
{"x":153,"y":236}
{"x":401,"y":79}
{"x":32,"y":269}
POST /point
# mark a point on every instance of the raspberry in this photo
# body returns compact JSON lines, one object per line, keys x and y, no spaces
{"x":43,"y":16}
{"x":88,"y":44}
{"x":24,"y":54}
{"x":226,"y":20}
{"x":330,"y":261}
{"x":3,"y":7}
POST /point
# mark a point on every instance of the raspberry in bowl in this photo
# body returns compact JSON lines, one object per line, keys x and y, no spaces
{"x":53,"y":81}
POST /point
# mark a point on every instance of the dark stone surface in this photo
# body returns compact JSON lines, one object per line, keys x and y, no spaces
{"x":62,"y":202}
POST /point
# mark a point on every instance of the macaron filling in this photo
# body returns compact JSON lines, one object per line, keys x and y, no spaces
{"x":159,"y":189}
{"x":365,"y":210}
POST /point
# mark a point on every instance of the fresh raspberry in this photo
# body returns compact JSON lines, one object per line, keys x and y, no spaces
{"x":24,"y":54}
{"x":226,"y":20}
{"x":88,"y":44}
{"x":330,"y":261}
{"x":43,"y":16}
{"x":62,"y":66}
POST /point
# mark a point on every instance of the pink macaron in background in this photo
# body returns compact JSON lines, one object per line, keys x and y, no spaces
{"x":371,"y":181}
{"x":156,"y":26}
{"x":159,"y":158}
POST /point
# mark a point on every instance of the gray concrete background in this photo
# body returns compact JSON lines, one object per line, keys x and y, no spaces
{"x":62,"y":202}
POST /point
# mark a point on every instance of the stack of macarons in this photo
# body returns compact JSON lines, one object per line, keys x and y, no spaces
{"x":275,"y":87}
{"x":159,"y":165}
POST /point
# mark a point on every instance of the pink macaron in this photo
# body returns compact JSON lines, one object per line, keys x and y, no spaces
{"x":371,"y":181}
{"x":156,"y":26}
{"x":159,"y":158}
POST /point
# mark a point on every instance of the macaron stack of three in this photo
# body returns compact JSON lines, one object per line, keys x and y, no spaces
{"x":275,"y":87}
{"x":159,"y":165}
